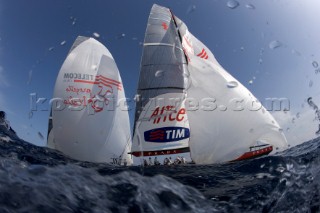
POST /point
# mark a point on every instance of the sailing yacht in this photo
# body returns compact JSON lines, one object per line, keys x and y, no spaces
{"x":187,"y":102}
{"x":85,"y":122}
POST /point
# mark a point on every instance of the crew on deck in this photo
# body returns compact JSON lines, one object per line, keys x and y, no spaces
{"x":166,"y":162}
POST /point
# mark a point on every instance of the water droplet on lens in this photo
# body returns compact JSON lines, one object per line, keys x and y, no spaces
{"x":94,"y":67}
{"x":95,"y":34}
{"x":296,"y":52}
{"x":280,"y":130}
{"x":298,"y":115}
{"x":232,"y":84}
{"x":30,"y":114}
{"x":30,"y":77}
{"x":250,"y":82}
{"x":122,"y":35}
{"x":191,"y":9}
{"x":241,"y":48}
{"x":51,"y":48}
{"x":40,"y":136}
{"x":159,"y":73}
{"x":232,"y":4}
{"x":250,"y":6}
{"x":274,"y":44}
{"x":251,"y":130}
{"x":63,"y":43}
{"x":222,"y":108}
{"x":315,"y":64}
{"x":310,"y":83}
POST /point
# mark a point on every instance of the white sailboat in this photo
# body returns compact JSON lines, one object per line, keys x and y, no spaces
{"x":86,"y":123}
{"x":187,"y":102}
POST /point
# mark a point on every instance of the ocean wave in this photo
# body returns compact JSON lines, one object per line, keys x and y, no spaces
{"x":40,"y":179}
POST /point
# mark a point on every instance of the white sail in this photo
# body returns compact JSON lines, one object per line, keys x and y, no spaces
{"x":229,"y":119}
{"x":161,"y":121}
{"x":87,"y":123}
{"x":163,"y":127}
{"x":223,"y":117}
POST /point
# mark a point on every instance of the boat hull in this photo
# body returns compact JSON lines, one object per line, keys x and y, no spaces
{"x":255,"y":153}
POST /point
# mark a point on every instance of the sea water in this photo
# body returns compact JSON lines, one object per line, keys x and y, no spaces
{"x":37,"y":179}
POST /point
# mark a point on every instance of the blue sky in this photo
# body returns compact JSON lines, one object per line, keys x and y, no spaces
{"x":36,"y":35}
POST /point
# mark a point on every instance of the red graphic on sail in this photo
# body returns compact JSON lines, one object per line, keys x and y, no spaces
{"x":203,"y":54}
{"x":105,"y":90}
{"x":102,"y":80}
{"x":164,"y":25}
{"x":157,"y":135}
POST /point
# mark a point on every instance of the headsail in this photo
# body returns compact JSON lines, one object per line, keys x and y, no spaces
{"x":229,"y":120}
{"x":161,"y":122}
{"x":87,"y":124}
{"x":219,"y":130}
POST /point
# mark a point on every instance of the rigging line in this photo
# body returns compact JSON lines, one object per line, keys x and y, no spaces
{"x":179,"y":34}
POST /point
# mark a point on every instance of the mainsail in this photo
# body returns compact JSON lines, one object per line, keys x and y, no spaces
{"x":223,"y":117}
{"x":86,"y":122}
{"x":161,"y":121}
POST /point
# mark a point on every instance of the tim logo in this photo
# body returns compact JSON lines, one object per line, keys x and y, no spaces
{"x":166,"y":134}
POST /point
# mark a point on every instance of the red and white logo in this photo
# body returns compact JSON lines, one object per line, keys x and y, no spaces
{"x":203,"y":54}
{"x":97,"y":96}
{"x":168,"y":114}
{"x":164,"y":25}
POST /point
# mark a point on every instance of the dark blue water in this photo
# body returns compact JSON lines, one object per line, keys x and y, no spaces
{"x":36,"y":179}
